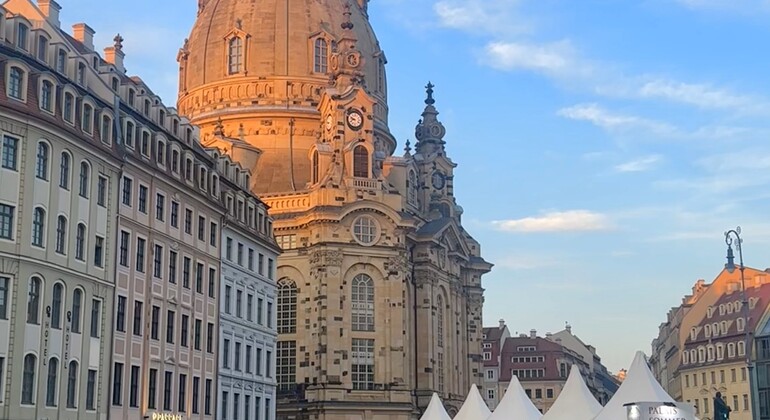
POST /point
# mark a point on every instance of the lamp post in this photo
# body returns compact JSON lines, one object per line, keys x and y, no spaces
{"x":734,"y":236}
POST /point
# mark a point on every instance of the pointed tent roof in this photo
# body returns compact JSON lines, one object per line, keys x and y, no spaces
{"x":639,"y":386}
{"x":575,"y":401}
{"x":435,"y":410}
{"x":515,"y":405}
{"x":474,"y":407}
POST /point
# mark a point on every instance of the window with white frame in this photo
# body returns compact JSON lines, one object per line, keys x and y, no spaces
{"x":362,"y":303}
{"x":362,"y":364}
{"x":287,"y":306}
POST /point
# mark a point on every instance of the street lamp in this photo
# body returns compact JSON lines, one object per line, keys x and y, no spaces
{"x":734,"y":235}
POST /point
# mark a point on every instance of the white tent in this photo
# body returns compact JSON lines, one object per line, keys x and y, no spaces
{"x":639,"y":386}
{"x":515,"y":405}
{"x":575,"y":401}
{"x":474,"y":407}
{"x":435,"y":410}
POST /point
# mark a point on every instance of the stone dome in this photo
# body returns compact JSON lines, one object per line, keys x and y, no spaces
{"x":269,"y":96}
{"x":279,"y":45}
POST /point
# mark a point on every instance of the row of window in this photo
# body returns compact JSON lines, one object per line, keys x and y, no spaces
{"x":189,"y":329}
{"x":54,"y":371}
{"x":172,"y":212}
{"x":245,"y":358}
{"x":238,"y":411}
{"x":528,"y":359}
{"x":719,"y":328}
{"x":22,"y":42}
{"x":238,"y":258}
{"x":161,"y":269}
{"x":707,"y":402}
{"x":713,"y":376}
{"x":361,"y":364}
{"x":156,"y":401}
{"x":249,"y":310}
{"x":712,"y":352}
{"x":56,"y":311}
{"x":538,"y":394}
{"x":528,"y":373}
{"x":259,"y":222}
{"x":9,"y":158}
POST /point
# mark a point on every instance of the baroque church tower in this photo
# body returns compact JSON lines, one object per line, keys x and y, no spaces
{"x":380,"y":299}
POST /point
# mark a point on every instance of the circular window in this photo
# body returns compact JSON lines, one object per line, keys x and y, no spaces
{"x":365,"y":230}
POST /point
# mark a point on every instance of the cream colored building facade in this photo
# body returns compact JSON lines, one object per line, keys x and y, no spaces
{"x":380,"y":297}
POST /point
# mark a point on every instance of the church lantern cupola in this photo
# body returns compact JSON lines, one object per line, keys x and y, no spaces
{"x":429,"y":131}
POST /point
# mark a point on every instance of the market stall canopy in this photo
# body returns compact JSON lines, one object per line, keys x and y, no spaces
{"x":515,"y":405}
{"x":639,"y":385}
{"x":435,"y":410}
{"x":474,"y":407}
{"x":575,"y":402}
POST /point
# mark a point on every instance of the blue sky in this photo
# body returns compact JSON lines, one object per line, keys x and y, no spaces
{"x":603,"y":146}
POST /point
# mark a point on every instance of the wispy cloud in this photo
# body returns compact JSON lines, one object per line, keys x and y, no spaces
{"x":642,"y":164}
{"x":700,"y":95}
{"x":566,"y":221}
{"x":482,"y":16}
{"x":553,"y":58}
{"x":609,"y":120}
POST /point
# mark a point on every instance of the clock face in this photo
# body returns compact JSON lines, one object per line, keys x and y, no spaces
{"x":353,"y":60}
{"x":437,"y":180}
{"x":355,"y":119}
{"x":329,"y":122}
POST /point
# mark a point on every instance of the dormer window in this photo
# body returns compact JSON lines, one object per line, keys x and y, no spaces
{"x":106,"y":131}
{"x":202,"y":179}
{"x":115,"y":84}
{"x":131,"y":96}
{"x":42,"y":48}
{"x":160,"y":153}
{"x":146,"y":107}
{"x":162,"y":118}
{"x":88,"y":117}
{"x":69,"y":106}
{"x":175,"y":127}
{"x":81,"y":76}
{"x":61,"y":61}
{"x":22,"y":32}
{"x":321,"y":56}
{"x":95,"y":63}
{"x":235,"y":55}
{"x":188,"y":169}
{"x":16,"y":83}
{"x":46,"y":96}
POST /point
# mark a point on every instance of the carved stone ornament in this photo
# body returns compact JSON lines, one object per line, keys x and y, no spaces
{"x":325,"y":258}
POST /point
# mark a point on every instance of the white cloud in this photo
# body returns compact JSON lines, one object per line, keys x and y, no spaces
{"x":609,"y":120}
{"x":554,"y":58}
{"x":642,"y":164}
{"x":566,"y":221}
{"x":482,"y":16}
{"x":520,"y":262}
{"x":700,"y":95}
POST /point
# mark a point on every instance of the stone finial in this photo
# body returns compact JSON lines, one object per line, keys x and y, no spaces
{"x":239,"y":23}
{"x":241,"y":132}
{"x":347,"y":24}
{"x":118,"y":42}
{"x":219,"y":129}
{"x":407,"y":148}
{"x":429,"y":90}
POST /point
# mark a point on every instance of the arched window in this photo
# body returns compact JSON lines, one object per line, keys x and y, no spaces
{"x":61,"y":234}
{"x":316,"y":169}
{"x":38,"y":226}
{"x":235,"y":55}
{"x":84,"y":175}
{"x":58,"y":295}
{"x":741,"y":324}
{"x":106,"y":130}
{"x":730,"y":349}
{"x":69,"y":103}
{"x":16,"y":83}
{"x":175,"y":161}
{"x":287,"y":307}
{"x":64,"y":171}
{"x":360,"y":162}
{"x":741,"y":348}
{"x":710,"y":353}
{"x":28,"y":379}
{"x":701,"y":354}
{"x":362,"y":303}
{"x":72,"y":384}
{"x":46,"y":95}
{"x":77,"y":301}
{"x":53,"y":372}
{"x":188,"y":169}
{"x":411,"y":188}
{"x":87,"y":119}
{"x":41,"y":164}
{"x":440,"y":321}
{"x":80,"y":242}
{"x":321,"y":56}
{"x":33,"y":301}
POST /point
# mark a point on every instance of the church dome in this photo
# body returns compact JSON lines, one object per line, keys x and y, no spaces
{"x":256,"y":70}
{"x":284,"y":48}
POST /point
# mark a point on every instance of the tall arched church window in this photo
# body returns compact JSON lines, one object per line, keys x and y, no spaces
{"x":321,"y":56}
{"x":411,"y":188}
{"x":235,"y":55}
{"x":360,"y":162}
{"x":362,"y":303}
{"x":316,"y":169}
{"x":287,"y":307}
{"x":440,"y":321}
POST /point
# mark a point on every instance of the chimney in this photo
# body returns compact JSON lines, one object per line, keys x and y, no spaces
{"x":502,"y":323}
{"x":569,"y":328}
{"x":84,"y":34}
{"x":50,"y":9}
{"x":532,"y":333}
{"x":114,"y":54}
